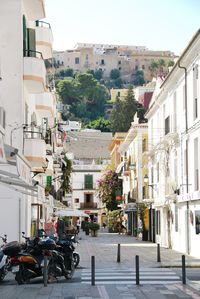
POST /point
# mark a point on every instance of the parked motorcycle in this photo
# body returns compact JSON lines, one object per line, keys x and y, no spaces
{"x":76,"y":255}
{"x":4,"y":260}
{"x":28,"y":261}
{"x":65,"y":247}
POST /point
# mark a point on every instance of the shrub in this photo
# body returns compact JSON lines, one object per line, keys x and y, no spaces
{"x":93,"y":226}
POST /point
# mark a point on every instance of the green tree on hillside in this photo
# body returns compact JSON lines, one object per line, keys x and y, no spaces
{"x":123,"y":113}
{"x":114,"y":74}
{"x":85,"y":96}
{"x":99,"y":124}
{"x":139,"y":78}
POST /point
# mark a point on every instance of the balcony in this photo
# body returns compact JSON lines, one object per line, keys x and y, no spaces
{"x":44,"y":104}
{"x":44,"y":39}
{"x":35,"y":149}
{"x":88,"y":205}
{"x":82,"y":186}
{"x":34,"y":9}
{"x":34,"y":72}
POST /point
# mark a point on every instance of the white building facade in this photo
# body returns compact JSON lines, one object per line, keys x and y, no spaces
{"x":29,"y":111}
{"x":174,"y":160}
{"x":85,"y":186}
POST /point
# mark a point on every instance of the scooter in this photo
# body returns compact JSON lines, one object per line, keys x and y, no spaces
{"x":4,"y":260}
{"x":29,"y":263}
{"x":76,"y":255}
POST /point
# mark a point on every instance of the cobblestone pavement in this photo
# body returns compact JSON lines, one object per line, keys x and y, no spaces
{"x":112,"y":279}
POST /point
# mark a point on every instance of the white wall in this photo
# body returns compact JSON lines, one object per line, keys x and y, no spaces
{"x":11,"y":56}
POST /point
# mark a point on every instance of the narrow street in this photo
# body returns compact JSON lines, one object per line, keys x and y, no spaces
{"x":116,"y":280}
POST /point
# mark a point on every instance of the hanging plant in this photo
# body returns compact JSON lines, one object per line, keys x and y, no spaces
{"x":67,"y":170}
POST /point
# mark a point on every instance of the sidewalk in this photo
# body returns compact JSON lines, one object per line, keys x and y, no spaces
{"x":104,"y":248}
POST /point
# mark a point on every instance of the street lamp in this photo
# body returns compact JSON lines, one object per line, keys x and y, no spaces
{"x":146,"y":180}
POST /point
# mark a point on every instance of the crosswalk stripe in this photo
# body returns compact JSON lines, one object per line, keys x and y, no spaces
{"x":128,"y":276}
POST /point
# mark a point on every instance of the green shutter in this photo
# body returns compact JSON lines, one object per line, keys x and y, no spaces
{"x":49,"y":180}
{"x":88,"y":182}
{"x":31,"y":42}
{"x":24,"y":36}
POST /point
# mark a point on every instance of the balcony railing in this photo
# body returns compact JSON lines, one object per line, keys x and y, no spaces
{"x":42,"y":24}
{"x":81,"y":186}
{"x":32,"y":53}
{"x":33,"y":132}
{"x":88,"y":205}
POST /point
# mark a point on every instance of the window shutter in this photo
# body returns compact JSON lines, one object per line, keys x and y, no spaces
{"x":88,"y":182}
{"x":31,"y":42}
{"x":24,"y":36}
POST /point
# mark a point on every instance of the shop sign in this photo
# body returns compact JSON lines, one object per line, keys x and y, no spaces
{"x":87,"y":212}
{"x":118,"y":197}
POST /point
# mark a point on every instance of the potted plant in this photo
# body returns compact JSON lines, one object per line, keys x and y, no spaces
{"x":93,"y":227}
{"x":86,"y":228}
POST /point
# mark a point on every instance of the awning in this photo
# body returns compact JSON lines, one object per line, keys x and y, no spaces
{"x":71,"y":213}
{"x":119,"y":167}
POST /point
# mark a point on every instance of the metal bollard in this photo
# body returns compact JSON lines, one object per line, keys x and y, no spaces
{"x":45,"y":272}
{"x":158,"y":253}
{"x":137,"y":271}
{"x":183,"y":270}
{"x":118,"y":253}
{"x":93,"y":270}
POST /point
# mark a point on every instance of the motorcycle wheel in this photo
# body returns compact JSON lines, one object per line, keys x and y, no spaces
{"x":2,"y":274}
{"x":70,"y":273}
{"x":76,"y":257}
{"x":20,"y":277}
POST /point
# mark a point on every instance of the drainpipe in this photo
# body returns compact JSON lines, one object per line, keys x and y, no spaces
{"x":186,"y":162}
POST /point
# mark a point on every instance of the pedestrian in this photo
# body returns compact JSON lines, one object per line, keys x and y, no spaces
{"x":78,"y":224}
{"x":50,"y":228}
{"x":60,"y":228}
{"x":104,"y":225}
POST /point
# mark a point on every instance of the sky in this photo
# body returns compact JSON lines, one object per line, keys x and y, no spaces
{"x":156,"y":24}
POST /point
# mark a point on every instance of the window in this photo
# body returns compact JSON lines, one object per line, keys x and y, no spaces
{"x":197,"y":222}
{"x":76,"y":200}
{"x":77,"y":60}
{"x":167,"y":125}
{"x":196,"y":166}
{"x":176,"y":218}
{"x":152,"y":182}
{"x":119,"y":62}
{"x":143,"y":67}
{"x":195,"y":108}
{"x":2,"y":117}
{"x":158,"y":222}
{"x":175,"y":112}
{"x":195,"y":88}
{"x":102,"y":62}
{"x":158,"y":169}
{"x":144,"y":145}
{"x":88,"y":181}
{"x":185,"y":168}
{"x":136,"y":68}
{"x":118,"y":93}
{"x":120,"y":68}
